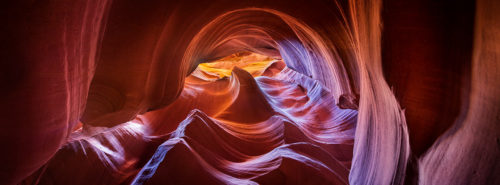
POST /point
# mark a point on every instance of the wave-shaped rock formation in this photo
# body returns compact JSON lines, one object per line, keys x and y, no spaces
{"x":250,"y":92}
{"x":277,"y":129}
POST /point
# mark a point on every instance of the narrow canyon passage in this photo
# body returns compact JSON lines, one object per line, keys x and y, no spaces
{"x":383,"y":92}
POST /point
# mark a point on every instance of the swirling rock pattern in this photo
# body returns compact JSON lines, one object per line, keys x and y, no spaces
{"x":360,"y":92}
{"x":291,"y":134}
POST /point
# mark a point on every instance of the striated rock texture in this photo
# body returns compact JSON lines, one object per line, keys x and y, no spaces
{"x":277,"y":129}
{"x":355,"y":92}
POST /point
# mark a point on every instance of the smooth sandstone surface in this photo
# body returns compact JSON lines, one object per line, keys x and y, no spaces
{"x":360,"y":92}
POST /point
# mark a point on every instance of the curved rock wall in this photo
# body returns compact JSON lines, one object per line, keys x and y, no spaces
{"x":49,"y":51}
{"x":105,"y":62}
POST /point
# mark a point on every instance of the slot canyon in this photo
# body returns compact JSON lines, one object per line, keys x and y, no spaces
{"x":303,"y":92}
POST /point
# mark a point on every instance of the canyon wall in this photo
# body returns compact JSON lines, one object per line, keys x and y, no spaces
{"x":422,"y":77}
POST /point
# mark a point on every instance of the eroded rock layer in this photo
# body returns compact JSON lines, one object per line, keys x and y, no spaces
{"x":283,"y":128}
{"x":423,"y":76}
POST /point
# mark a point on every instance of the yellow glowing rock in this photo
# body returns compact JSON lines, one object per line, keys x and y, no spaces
{"x":254,"y":63}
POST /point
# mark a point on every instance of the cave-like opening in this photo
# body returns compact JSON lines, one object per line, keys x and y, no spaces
{"x":255,"y":64}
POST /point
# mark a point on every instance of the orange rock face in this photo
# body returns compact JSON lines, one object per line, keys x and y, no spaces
{"x":267,"y":129}
{"x":250,"y":92}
